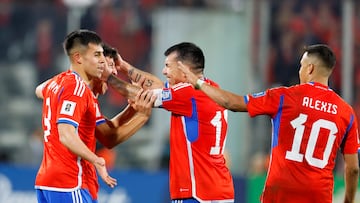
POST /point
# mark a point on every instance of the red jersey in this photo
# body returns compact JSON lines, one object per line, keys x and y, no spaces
{"x":310,"y":123}
{"x":197,"y":141}
{"x":90,"y":171}
{"x":67,"y":99}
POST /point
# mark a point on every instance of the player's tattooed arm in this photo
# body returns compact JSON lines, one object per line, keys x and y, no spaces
{"x":124,"y":88}
{"x":144,"y":79}
{"x":137,"y":76}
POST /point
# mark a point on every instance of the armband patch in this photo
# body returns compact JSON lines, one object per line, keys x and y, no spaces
{"x":166,"y":95}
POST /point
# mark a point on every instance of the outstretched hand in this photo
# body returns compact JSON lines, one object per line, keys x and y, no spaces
{"x":190,"y":76}
{"x":143,"y":102}
{"x":102,"y":171}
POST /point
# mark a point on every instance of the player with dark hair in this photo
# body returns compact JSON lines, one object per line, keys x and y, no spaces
{"x":69,"y":112}
{"x":198,"y":129}
{"x":100,"y":87}
{"x":70,"y":115}
{"x":310,"y":124}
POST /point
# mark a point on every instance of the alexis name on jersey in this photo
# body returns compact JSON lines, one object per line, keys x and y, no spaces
{"x":319,"y":105}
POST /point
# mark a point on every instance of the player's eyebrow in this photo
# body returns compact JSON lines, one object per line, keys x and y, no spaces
{"x":98,"y":53}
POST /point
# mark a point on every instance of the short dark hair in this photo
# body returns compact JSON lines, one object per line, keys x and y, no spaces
{"x":80,"y":37}
{"x":324,"y":53}
{"x":188,"y":52}
{"x":110,"y":51}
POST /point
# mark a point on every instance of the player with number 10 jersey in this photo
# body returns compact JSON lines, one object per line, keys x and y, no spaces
{"x":315,"y":124}
{"x":197,"y":141}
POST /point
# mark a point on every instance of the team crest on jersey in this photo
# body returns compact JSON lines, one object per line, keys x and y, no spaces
{"x":259,"y":94}
{"x":68,"y":108}
{"x":166,"y":95}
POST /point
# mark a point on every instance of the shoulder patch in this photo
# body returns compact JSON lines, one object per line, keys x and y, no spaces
{"x":259,"y":94}
{"x":166,"y":95}
{"x":68,"y":108}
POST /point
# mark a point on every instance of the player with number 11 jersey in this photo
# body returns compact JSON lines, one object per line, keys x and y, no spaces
{"x":315,"y":123}
{"x":197,"y":142}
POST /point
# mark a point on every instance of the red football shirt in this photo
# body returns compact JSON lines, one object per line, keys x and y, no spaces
{"x":197,"y":141}
{"x":67,"y":99}
{"x":310,"y":123}
{"x":89,"y":170}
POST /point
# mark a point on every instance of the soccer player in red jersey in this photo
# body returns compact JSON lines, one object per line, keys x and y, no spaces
{"x":310,"y":123}
{"x":70,"y":115}
{"x":198,"y":171}
{"x":69,"y":112}
{"x":111,"y":132}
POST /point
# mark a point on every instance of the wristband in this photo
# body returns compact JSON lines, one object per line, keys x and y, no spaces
{"x":198,"y":84}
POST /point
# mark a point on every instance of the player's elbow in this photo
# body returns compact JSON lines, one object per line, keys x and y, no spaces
{"x":353,"y":171}
{"x":109,"y":145}
{"x":235,"y":106}
{"x":110,"y":139}
{"x":38,"y":92}
{"x":233,"y":103}
{"x":106,"y":140}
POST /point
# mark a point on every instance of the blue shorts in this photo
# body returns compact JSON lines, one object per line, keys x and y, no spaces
{"x":77,"y":196}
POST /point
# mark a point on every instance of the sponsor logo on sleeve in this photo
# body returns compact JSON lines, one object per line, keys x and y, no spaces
{"x":68,"y":108}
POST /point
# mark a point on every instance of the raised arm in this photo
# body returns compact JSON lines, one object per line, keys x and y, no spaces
{"x":123,"y":87}
{"x":224,"y":98}
{"x":136,"y":75}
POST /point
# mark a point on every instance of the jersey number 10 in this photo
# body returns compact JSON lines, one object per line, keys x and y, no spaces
{"x":295,"y":155}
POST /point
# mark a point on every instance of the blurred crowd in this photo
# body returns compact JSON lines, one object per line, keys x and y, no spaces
{"x":31,"y":33}
{"x":295,"y":23}
{"x":126,"y":25}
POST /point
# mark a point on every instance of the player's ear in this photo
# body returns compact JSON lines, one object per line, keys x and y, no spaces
{"x":311,"y":68}
{"x":76,"y":57}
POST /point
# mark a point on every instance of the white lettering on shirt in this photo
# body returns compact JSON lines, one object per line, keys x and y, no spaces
{"x":319,"y":105}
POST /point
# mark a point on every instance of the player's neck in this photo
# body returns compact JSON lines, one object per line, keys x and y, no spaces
{"x":81,"y":73}
{"x":323,"y":81}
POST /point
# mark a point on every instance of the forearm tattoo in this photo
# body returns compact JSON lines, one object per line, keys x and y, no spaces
{"x":135,"y":76}
{"x":124,"y":88}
